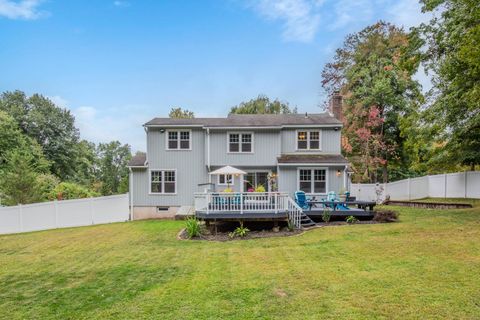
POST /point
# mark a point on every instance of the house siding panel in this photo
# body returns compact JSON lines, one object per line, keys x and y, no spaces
{"x":189,"y":165}
{"x":330,"y":141}
{"x":266,"y":149}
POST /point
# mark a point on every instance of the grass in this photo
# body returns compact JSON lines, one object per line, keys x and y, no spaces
{"x":426,"y":266}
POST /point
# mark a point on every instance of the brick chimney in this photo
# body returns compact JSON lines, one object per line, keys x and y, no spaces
{"x":335,"y":105}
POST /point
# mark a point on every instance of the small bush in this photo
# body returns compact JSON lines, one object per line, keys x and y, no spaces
{"x":385,"y":216}
{"x":239,"y":231}
{"x":290,"y":225}
{"x":68,"y":190}
{"x":260,"y":188}
{"x":351,"y":220}
{"x":192,"y":226}
{"x":326,"y":216}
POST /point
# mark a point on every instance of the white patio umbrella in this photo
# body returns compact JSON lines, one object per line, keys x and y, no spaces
{"x":228,"y":170}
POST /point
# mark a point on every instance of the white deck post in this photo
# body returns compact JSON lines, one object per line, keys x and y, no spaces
{"x":207,"y":196}
{"x":241,"y":202}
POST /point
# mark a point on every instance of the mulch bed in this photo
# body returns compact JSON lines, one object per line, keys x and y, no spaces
{"x":224,"y":236}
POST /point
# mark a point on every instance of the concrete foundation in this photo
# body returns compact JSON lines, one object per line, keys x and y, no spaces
{"x":143,"y":213}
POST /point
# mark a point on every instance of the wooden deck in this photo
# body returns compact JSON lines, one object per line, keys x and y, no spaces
{"x":318,"y":212}
{"x":237,"y":215}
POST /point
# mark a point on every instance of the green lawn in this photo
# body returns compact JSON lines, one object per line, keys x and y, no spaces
{"x":426,"y":266}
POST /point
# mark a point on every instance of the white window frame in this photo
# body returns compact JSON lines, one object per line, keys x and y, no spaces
{"x":163,"y":193}
{"x":167,"y":132}
{"x":226,"y":184}
{"x":308,"y":139}
{"x":312,"y":186}
{"x":240,"y":133}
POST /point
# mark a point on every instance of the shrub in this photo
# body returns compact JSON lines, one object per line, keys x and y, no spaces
{"x":68,"y":190}
{"x":239,"y":231}
{"x":46,"y":183}
{"x":385,"y":216}
{"x":326,"y":215}
{"x":192,"y":226}
{"x":260,"y":188}
{"x":290,"y":225}
{"x":351,"y":219}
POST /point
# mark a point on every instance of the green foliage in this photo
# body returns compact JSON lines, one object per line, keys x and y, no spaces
{"x":374,"y":71}
{"x":112,"y":164}
{"x":240,"y":231}
{"x":351,"y":220}
{"x":290,"y":225}
{"x":262,"y":105}
{"x":260,"y":188}
{"x":45,"y":184}
{"x":18,"y":181}
{"x":192,"y":226}
{"x":179,"y":113}
{"x":453,"y":59}
{"x":326,"y":215}
{"x":50,"y":126}
{"x":68,"y":190}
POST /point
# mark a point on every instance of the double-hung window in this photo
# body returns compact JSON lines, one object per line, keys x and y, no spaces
{"x":308,"y":140}
{"x":225,"y":179}
{"x":240,"y":142}
{"x":163,"y":181}
{"x":312,"y":180}
{"x":178,"y":140}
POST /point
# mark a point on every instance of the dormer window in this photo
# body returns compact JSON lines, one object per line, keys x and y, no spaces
{"x":179,"y":140}
{"x":308,"y":140}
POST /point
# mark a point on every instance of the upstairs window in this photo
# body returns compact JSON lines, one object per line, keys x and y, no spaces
{"x":240,"y":142}
{"x":178,"y":140}
{"x":312,"y":180}
{"x":308,"y":140}
{"x":163,"y":181}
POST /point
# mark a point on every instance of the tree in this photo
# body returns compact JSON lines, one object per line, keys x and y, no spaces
{"x":112,"y":167}
{"x":373,"y":70}
{"x":51,"y":126}
{"x":179,"y":113}
{"x":18,"y":181}
{"x":85,"y":163}
{"x":262,"y":105}
{"x":12,"y":139}
{"x":453,"y":58}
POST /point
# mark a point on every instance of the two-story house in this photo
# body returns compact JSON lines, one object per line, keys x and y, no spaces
{"x":284,"y":153}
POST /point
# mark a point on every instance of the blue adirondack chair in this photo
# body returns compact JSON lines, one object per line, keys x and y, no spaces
{"x":301,"y":199}
{"x":332,"y":196}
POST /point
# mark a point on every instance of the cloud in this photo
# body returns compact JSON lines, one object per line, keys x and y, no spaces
{"x":300,"y":18}
{"x":59,"y":101}
{"x":120,"y":3}
{"x":347,"y":12}
{"x":25,"y":9}
{"x":101,"y":125}
{"x":407,"y":13}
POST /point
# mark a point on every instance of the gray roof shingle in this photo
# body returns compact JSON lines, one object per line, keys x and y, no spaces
{"x":251,"y":120}
{"x":138,"y":160}
{"x":312,"y":158}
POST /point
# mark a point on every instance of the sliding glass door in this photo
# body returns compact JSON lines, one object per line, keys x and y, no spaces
{"x":252,"y":180}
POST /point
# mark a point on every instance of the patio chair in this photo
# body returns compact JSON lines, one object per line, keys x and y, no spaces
{"x":332,"y":196}
{"x":301,"y":199}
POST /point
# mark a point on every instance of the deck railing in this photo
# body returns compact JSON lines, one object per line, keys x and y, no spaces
{"x":294,"y":213}
{"x":241,"y":202}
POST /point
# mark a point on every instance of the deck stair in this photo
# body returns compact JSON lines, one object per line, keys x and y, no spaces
{"x":306,"y":222}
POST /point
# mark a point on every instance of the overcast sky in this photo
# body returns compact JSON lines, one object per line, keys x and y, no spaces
{"x":117,"y":64}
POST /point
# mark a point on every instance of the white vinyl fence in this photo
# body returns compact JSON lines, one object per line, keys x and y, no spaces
{"x":64,"y":214}
{"x":450,"y":185}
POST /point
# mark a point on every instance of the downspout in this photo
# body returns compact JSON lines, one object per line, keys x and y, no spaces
{"x":208,"y":155}
{"x":131,"y":193}
{"x":345,"y":178}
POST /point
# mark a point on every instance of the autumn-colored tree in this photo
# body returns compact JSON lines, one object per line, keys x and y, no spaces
{"x":373,"y":71}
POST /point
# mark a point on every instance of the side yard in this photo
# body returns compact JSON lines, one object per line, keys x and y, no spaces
{"x":425,"y":266}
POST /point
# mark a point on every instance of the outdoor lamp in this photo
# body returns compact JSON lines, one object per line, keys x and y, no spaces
{"x":339,"y":173}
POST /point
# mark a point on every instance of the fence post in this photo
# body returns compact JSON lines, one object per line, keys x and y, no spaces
{"x":91,"y":210}
{"x":55,"y":205}
{"x":445,"y":186}
{"x":466,"y":175}
{"x":20,"y":217}
{"x":241,"y":202}
{"x":409,"y":193}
